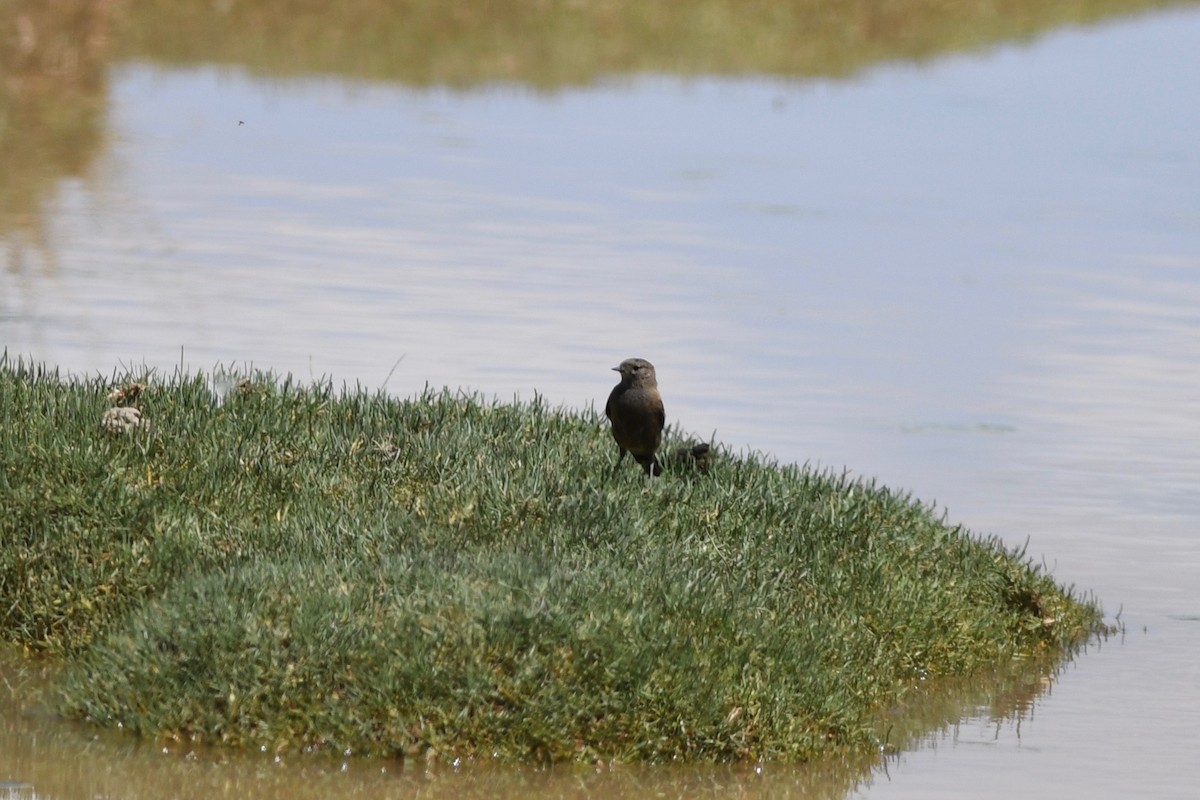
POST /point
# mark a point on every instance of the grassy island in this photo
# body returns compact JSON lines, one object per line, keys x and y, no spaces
{"x":264,"y":564}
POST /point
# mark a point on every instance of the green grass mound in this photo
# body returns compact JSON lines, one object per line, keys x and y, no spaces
{"x":292,"y":567}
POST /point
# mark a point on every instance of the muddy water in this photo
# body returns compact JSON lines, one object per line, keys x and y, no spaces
{"x":976,"y":278}
{"x":54,"y":758}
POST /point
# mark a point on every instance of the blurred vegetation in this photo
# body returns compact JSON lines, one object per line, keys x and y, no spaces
{"x":555,"y":43}
{"x":54,"y":57}
{"x":262,"y":564}
{"x":53,"y":98}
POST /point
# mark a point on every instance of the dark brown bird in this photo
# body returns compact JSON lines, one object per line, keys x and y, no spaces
{"x":635,"y":409}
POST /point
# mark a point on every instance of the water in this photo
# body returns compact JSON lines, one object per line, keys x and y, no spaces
{"x":977,"y":279}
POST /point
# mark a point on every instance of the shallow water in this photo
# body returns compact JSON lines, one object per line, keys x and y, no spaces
{"x":977,"y":279}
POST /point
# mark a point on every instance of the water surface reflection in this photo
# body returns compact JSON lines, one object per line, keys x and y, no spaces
{"x":976,"y":279}
{"x":47,"y":758}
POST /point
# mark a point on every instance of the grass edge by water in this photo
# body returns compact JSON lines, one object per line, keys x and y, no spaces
{"x":274,"y":565}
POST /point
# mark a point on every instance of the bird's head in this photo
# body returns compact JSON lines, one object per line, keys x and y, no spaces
{"x":636,"y":371}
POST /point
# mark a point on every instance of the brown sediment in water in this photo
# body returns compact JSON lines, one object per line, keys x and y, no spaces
{"x":58,"y":758}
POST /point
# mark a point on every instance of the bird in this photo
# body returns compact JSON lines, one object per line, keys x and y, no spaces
{"x":635,"y":409}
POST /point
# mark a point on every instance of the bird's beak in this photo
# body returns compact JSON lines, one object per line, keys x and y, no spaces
{"x":616,"y":369}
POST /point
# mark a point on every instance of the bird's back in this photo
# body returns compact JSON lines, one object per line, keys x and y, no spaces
{"x":637,"y":417}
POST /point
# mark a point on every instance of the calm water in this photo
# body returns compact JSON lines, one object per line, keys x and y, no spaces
{"x":978,"y":279}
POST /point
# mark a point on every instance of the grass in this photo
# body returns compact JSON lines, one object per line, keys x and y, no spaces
{"x":286,"y":566}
